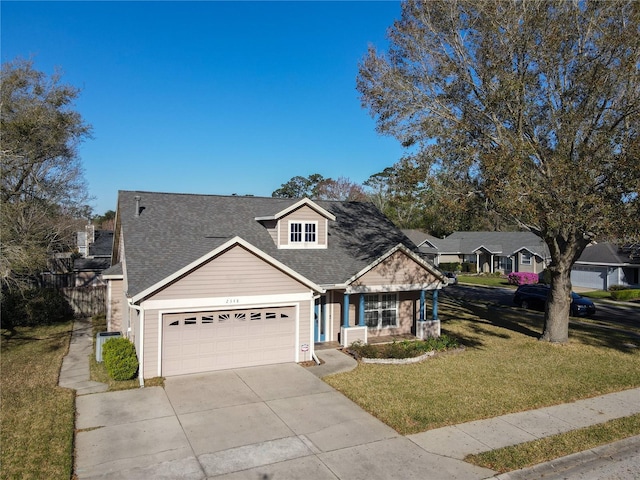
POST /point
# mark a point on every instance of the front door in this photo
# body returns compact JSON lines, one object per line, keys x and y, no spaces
{"x":320,"y":320}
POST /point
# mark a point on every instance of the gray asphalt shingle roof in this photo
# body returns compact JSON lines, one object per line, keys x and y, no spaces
{"x":499,"y":243}
{"x":174,"y":230}
{"x":607,"y":253}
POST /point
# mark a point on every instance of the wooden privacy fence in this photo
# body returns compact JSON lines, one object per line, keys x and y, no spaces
{"x":87,"y":301}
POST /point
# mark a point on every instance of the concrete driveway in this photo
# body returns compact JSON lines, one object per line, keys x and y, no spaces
{"x":270,"y":422}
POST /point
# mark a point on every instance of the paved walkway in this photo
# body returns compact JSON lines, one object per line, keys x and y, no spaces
{"x":280,"y":420}
{"x":74,"y":373}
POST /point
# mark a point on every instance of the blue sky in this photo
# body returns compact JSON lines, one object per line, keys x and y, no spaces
{"x":211,"y":97}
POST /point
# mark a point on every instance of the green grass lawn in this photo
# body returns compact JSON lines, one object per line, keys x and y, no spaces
{"x":532,"y":453}
{"x":484,"y":280}
{"x":37,"y":416}
{"x":504,"y":369}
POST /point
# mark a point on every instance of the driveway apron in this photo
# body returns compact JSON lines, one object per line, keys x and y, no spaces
{"x":270,"y":422}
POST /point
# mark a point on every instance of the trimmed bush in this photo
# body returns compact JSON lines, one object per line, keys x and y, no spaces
{"x":613,"y":288}
{"x":522,"y":278}
{"x":120,"y":360}
{"x":404,"y":348}
{"x":468,"y":267}
{"x":450,"y":267}
{"x":624,"y":295}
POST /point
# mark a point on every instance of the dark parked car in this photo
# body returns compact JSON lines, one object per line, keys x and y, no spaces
{"x":535,"y":296}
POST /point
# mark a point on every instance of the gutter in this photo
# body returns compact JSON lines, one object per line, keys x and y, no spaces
{"x":141,"y":359}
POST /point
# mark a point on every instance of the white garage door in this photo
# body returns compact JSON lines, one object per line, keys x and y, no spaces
{"x":216,"y":340}
{"x":589,"y":277}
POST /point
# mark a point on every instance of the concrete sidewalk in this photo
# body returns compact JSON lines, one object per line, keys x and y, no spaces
{"x":74,"y":373}
{"x":281,"y":421}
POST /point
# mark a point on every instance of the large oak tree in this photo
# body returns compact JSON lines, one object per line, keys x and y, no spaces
{"x":533,"y":106}
{"x":42,"y":187}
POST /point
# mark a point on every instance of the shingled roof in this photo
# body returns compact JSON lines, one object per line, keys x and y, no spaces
{"x":173,"y":230}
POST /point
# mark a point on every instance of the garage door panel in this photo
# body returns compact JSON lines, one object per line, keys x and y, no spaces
{"x":204,"y":341}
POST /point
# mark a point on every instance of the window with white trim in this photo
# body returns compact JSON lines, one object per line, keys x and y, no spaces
{"x":525,"y":258}
{"x":303,"y":232}
{"x":381,"y":310}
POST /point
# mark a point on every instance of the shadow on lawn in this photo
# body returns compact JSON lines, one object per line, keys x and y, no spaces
{"x":531,"y":325}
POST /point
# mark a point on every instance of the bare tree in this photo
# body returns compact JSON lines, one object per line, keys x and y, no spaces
{"x":533,"y":106}
{"x":42,"y":187}
{"x":341,"y":189}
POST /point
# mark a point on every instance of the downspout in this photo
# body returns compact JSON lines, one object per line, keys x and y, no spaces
{"x":141,"y":360}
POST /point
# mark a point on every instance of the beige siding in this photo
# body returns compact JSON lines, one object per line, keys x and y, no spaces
{"x":450,"y":258}
{"x":398,"y":269}
{"x":116,"y":303}
{"x":272,"y":228}
{"x":236,"y":272}
{"x":408,"y":313}
{"x":303,"y":214}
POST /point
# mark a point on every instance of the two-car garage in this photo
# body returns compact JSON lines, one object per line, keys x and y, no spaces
{"x":202,"y":341}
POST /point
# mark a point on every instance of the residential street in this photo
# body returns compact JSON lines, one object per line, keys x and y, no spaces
{"x":616,"y":315}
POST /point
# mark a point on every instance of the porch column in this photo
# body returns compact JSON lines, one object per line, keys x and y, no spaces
{"x":477,"y":263}
{"x":491,"y":268}
{"x":361,"y":311}
{"x":435,"y":305}
{"x":345,"y":311}
{"x":422,"y":302}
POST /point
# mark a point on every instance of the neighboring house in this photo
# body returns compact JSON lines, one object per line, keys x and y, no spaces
{"x":95,"y":248}
{"x":205,"y":282}
{"x":602,"y":265}
{"x":490,"y":252}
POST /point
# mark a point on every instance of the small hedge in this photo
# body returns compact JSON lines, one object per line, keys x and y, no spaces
{"x":522,"y":278}
{"x":624,"y":295}
{"x":450,"y":266}
{"x":403,"y":349}
{"x":120,"y":360}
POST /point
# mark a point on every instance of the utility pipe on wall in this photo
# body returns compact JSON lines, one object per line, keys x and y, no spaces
{"x":140,"y":310}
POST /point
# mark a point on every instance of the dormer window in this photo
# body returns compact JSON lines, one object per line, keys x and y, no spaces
{"x":303,"y":232}
{"x":302,"y":225}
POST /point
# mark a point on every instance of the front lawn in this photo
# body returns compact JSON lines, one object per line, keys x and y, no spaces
{"x":486,"y":280}
{"x":504,"y":369}
{"x":37,"y":416}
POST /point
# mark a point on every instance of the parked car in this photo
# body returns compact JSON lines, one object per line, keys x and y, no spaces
{"x":535,"y":297}
{"x":452,"y":278}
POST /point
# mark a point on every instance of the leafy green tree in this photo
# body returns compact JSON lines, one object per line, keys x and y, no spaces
{"x":532,"y":107}
{"x":42,"y":188}
{"x":299,"y":187}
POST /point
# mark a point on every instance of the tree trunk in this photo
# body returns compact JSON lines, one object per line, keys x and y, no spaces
{"x":557,"y":310}
{"x":565,"y":250}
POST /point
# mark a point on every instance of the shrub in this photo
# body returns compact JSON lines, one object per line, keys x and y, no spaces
{"x":624,"y":295}
{"x":403,"y":349}
{"x":545,"y":277}
{"x":450,"y":267}
{"x":522,"y":278}
{"x":120,"y":359}
{"x":613,"y":288}
{"x":37,"y":306}
{"x":468,"y":267}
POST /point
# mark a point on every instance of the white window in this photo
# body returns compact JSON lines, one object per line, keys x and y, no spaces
{"x":381,"y":310}
{"x":303,"y":232}
{"x":525,"y":258}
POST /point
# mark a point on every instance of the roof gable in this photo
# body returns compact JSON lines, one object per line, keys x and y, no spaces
{"x":219,"y":251}
{"x":305,"y":201}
